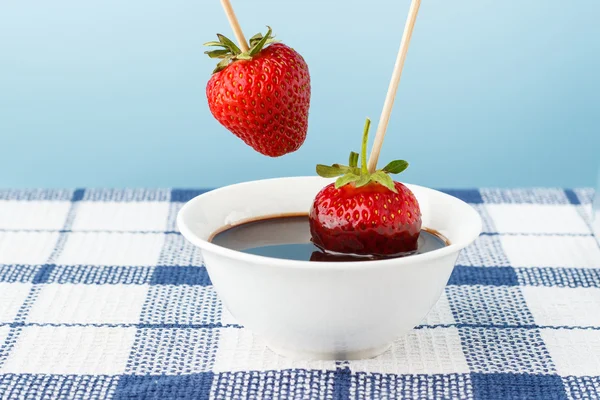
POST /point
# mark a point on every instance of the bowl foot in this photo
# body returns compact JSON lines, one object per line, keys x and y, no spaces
{"x":333,"y":355}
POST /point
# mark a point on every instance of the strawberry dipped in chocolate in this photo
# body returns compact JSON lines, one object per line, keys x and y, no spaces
{"x":261,"y":95}
{"x":365,"y":213}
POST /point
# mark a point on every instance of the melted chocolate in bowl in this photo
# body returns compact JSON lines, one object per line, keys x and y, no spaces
{"x":288,"y":237}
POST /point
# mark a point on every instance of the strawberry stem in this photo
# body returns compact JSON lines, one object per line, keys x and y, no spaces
{"x":361,"y":176}
{"x":363,"y":149}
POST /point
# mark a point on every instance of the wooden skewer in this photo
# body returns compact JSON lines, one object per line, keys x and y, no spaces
{"x":235,"y":25}
{"x":393,"y":88}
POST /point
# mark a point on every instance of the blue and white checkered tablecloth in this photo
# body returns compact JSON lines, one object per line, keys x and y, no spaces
{"x":102,"y":298}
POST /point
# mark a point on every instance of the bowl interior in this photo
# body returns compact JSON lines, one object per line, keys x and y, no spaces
{"x":200,"y":218}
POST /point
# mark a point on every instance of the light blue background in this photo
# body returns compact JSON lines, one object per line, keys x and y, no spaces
{"x":111,"y":93}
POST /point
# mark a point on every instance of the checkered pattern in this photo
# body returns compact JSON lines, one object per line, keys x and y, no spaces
{"x":102,"y":298}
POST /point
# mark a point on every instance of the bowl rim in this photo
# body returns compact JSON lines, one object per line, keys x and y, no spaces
{"x":282,"y":262}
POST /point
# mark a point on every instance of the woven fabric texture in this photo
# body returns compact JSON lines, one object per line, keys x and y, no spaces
{"x":102,"y":298}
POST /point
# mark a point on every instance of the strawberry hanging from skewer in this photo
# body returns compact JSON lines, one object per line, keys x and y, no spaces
{"x":261,"y":95}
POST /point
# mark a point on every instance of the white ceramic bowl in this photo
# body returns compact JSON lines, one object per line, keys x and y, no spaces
{"x":323,"y":310}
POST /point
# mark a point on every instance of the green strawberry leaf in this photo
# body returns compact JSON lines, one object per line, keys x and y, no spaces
{"x":218,"y":53}
{"x":346,"y":179}
{"x":255,"y":39}
{"x":222,"y":65}
{"x":229,"y":44}
{"x":219,"y":44}
{"x":395,"y":167}
{"x":344,"y":168}
{"x":330,"y":171}
{"x":364,"y":179}
{"x":384,"y":179}
{"x":259,"y":46}
{"x":348,"y":170}
{"x":353,"y":159}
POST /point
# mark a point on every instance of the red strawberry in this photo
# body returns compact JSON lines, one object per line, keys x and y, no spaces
{"x":262,"y":96}
{"x":363,"y":213}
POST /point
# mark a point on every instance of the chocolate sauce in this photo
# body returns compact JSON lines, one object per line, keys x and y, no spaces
{"x":288,"y":237}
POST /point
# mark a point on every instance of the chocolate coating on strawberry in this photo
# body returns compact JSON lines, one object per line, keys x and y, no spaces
{"x":261,"y":96}
{"x":363,"y":213}
{"x":369,"y":220}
